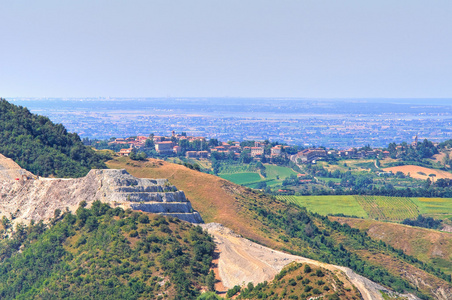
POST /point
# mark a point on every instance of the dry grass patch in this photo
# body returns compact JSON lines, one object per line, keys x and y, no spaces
{"x":419,"y":172}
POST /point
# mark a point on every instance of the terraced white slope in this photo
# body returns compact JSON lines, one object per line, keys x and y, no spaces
{"x":32,"y":198}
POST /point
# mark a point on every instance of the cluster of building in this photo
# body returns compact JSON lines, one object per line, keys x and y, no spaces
{"x":170,"y":145}
{"x":312,"y":154}
{"x":257,"y":152}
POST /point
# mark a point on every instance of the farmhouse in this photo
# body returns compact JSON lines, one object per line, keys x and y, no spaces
{"x":125,"y":152}
{"x":177,"y":149}
{"x":309,"y":155}
{"x":203,"y":154}
{"x":191,"y":154}
{"x":164,"y":147}
{"x":276,"y":151}
{"x":255,"y":151}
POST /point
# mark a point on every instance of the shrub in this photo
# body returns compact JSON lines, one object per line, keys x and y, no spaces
{"x":144,"y":219}
{"x":233,"y":291}
{"x":316,"y":291}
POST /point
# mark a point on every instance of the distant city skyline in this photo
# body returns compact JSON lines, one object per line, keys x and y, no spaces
{"x":337,"y":124}
{"x":207,"y":48}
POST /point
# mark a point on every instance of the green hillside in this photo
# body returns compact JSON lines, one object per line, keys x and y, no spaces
{"x":298,"y":281}
{"x":42,"y":147}
{"x":106,"y":253}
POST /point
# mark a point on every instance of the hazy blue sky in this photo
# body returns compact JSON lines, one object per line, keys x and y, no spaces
{"x":342,"y":48}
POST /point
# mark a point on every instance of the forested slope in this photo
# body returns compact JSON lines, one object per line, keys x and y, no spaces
{"x":105,"y":253}
{"x":42,"y":147}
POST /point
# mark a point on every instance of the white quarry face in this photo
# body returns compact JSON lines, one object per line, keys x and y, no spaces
{"x":28,"y":197}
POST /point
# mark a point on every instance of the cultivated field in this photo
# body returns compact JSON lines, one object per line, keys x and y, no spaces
{"x":325,"y":205}
{"x":281,"y":172}
{"x":419,"y":172}
{"x":242,"y":178}
{"x":275,"y":175}
{"x":435,"y":207}
{"x":353,"y":165}
{"x":383,"y":208}
{"x":388,"y":208}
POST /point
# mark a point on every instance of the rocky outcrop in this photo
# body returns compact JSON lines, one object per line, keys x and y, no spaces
{"x":26,"y":197}
{"x":9,"y":170}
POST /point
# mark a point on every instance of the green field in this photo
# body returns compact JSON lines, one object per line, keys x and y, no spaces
{"x":275,"y":175}
{"x":269,"y":182}
{"x":238,"y":168}
{"x":439,"y":207}
{"x":325,"y":205}
{"x":282,"y":172}
{"x":374,"y":207}
{"x":388,"y":208}
{"x":242,"y":178}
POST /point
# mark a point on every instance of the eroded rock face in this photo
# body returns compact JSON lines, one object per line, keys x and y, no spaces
{"x":29,"y":198}
{"x":10,"y":170}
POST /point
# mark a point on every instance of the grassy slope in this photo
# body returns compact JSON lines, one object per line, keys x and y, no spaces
{"x":425,"y":244}
{"x":240,"y":209}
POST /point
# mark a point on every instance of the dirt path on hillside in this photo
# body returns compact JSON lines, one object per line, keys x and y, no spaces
{"x":242,"y":261}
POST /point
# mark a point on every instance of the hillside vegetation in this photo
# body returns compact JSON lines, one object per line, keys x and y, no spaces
{"x":106,"y":253}
{"x":42,"y":147}
{"x":298,"y":281}
{"x":281,"y":225}
{"x":430,"y":246}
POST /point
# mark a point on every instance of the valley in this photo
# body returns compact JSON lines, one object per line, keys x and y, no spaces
{"x":238,"y":208}
{"x":298,"y":230}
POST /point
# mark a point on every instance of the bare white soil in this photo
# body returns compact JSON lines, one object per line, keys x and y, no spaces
{"x":242,"y":261}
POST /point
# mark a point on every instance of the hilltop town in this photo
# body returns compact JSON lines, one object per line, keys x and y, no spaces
{"x":197,"y":147}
